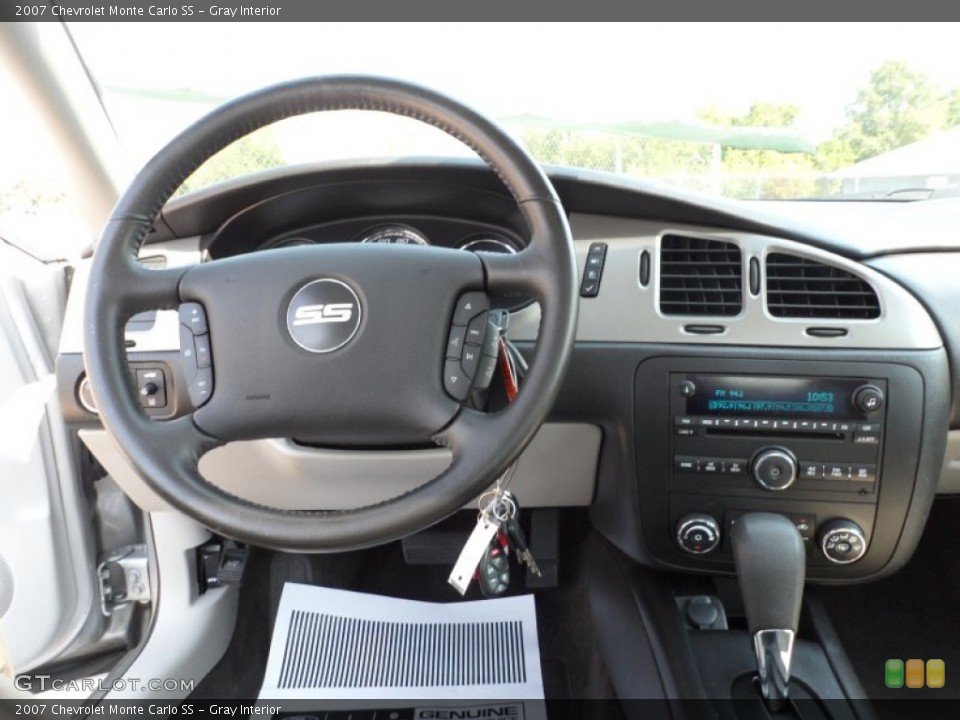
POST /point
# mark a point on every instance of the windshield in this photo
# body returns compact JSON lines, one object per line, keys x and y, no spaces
{"x":753,"y":111}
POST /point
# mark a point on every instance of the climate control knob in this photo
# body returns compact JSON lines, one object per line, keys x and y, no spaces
{"x":774,"y":468}
{"x":698,"y":533}
{"x":842,"y":541}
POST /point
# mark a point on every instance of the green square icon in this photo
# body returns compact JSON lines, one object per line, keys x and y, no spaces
{"x":893,"y":673}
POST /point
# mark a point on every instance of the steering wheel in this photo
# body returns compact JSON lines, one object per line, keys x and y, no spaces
{"x":344,"y":344}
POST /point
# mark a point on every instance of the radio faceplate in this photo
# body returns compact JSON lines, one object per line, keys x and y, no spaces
{"x":816,"y":441}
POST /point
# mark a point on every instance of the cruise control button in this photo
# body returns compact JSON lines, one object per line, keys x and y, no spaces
{"x":491,"y":341}
{"x":458,"y":334}
{"x":202,"y":345}
{"x":469,"y":306}
{"x":455,"y":380}
{"x":193,"y":316}
{"x":202,"y":387}
{"x":188,"y":354}
{"x":471,"y":358}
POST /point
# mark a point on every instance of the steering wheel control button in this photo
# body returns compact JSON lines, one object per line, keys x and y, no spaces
{"x":193,"y":316}
{"x":593,"y":270}
{"x":455,"y":342}
{"x":477,"y":330}
{"x":201,"y":388}
{"x":842,"y":541}
{"x":868,"y":399}
{"x":469,"y":306}
{"x":471,"y":358}
{"x":324,"y":315}
{"x":698,"y":533}
{"x":485,"y":371}
{"x":202,"y":350}
{"x":774,"y":469}
{"x":152,"y":388}
{"x":455,"y":380}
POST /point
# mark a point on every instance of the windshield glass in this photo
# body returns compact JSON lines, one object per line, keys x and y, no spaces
{"x":754,"y":111}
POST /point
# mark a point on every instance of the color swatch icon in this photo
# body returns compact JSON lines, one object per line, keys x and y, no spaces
{"x":914,"y":673}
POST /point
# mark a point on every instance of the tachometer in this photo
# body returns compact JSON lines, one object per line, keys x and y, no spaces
{"x":396,"y":235}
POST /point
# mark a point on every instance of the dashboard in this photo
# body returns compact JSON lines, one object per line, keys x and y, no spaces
{"x":729,"y":358}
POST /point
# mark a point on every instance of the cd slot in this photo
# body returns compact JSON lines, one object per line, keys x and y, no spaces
{"x":772,"y":432}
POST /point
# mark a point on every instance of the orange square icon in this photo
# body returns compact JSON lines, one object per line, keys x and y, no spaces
{"x":915,"y":673}
{"x":936,"y":673}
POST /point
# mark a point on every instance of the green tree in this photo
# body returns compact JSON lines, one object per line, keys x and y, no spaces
{"x":898,"y":106}
{"x":256,"y":151}
{"x":952,"y":108}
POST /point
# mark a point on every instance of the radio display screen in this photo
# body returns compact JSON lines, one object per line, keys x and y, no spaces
{"x":752,"y":396}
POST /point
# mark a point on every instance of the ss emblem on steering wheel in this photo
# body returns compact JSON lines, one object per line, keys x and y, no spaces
{"x":323,"y":315}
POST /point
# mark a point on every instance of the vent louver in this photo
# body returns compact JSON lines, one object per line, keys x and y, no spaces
{"x":801,"y":288}
{"x":700,"y":277}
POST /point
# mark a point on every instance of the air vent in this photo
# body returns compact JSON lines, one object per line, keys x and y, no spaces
{"x":802,"y":288}
{"x":700,"y":277}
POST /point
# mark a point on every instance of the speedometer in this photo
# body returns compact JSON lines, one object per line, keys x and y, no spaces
{"x":396,"y":235}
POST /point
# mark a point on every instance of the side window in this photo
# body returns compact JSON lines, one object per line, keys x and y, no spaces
{"x":36,"y":209}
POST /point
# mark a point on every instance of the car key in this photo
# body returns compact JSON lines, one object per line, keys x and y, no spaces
{"x":486,"y":530}
{"x":494,"y":571}
{"x":518,"y":537}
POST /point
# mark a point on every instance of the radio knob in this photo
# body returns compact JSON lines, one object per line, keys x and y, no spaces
{"x":868,"y":399}
{"x":842,"y":541}
{"x":774,"y":468}
{"x":698,"y":533}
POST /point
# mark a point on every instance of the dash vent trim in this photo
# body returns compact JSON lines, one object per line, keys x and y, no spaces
{"x":700,"y":277}
{"x":800,"y":288}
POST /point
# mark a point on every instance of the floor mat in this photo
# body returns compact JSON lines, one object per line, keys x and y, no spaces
{"x":334,"y":645}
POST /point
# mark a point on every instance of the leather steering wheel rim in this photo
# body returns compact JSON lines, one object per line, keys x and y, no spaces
{"x":167,"y":453}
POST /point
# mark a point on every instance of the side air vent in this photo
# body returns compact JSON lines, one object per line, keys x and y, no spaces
{"x":802,"y":288}
{"x":700,"y":277}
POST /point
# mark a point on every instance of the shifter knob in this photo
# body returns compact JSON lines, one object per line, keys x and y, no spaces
{"x":769,"y":555}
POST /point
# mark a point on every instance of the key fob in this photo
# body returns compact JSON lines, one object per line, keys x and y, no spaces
{"x":493,"y":575}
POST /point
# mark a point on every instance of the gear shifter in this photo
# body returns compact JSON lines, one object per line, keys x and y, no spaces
{"x":769,"y":555}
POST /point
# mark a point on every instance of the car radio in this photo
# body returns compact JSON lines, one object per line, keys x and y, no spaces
{"x":773,"y":433}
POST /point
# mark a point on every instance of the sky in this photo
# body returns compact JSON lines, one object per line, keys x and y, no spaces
{"x":572,"y":71}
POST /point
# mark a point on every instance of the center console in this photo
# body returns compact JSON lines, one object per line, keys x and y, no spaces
{"x":833,"y":446}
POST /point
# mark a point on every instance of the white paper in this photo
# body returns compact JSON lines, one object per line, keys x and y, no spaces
{"x":374,"y":608}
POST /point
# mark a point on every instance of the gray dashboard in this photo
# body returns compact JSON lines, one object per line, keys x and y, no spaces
{"x":589,"y":453}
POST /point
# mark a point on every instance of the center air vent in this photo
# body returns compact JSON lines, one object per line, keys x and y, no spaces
{"x":802,"y":288}
{"x":700,"y":277}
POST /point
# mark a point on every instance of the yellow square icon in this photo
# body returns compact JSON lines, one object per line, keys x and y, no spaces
{"x":914,"y":673}
{"x":936,"y":673}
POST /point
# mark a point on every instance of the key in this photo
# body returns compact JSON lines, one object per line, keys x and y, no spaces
{"x":494,"y":572}
{"x":473,"y":551}
{"x":519,"y":539}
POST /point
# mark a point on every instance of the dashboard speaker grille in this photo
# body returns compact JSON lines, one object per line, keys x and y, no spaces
{"x":700,"y":277}
{"x":798,"y":287}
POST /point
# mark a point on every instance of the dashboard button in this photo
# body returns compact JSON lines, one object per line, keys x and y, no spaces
{"x":687,"y":388}
{"x":734,"y":466}
{"x":711,"y":465}
{"x":686,"y":431}
{"x":811,"y":470}
{"x":469,"y":306}
{"x":866,"y":439}
{"x":868,"y":427}
{"x":863,"y":473}
{"x":835,"y":472}
{"x":152,"y":388}
{"x":685,"y":463}
{"x":685,"y":420}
